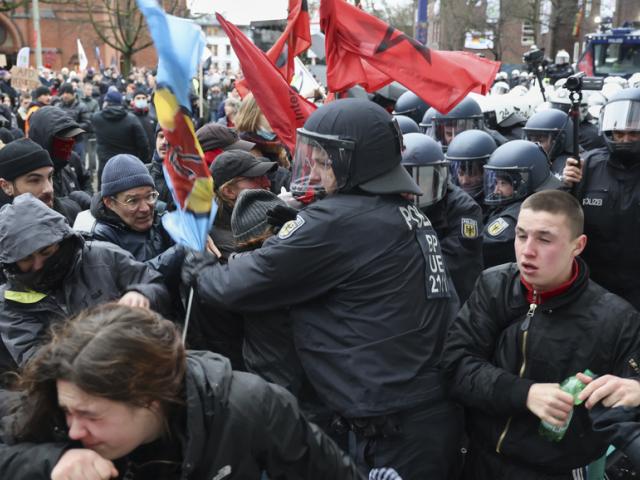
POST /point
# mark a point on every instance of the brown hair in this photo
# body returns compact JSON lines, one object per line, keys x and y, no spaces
{"x":248,"y":117}
{"x":121,"y":353}
{"x":558,"y":202}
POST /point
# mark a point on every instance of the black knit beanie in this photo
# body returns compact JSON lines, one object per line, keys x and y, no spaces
{"x":249,"y":217}
{"x":123,"y":172}
{"x":21,"y":157}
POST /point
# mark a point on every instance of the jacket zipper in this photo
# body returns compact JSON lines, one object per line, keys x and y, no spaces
{"x":525,"y":334}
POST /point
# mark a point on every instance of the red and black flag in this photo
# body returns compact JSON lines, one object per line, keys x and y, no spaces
{"x":295,"y":39}
{"x":279,"y":102}
{"x":362,"y":49}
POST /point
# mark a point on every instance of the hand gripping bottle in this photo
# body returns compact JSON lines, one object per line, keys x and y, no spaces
{"x":573,"y":387}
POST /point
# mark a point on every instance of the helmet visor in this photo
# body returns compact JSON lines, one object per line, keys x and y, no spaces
{"x":445,"y":129}
{"x":505,"y":185}
{"x":320,"y":165}
{"x":432,"y":180}
{"x":620,"y":116}
{"x":468,"y":175}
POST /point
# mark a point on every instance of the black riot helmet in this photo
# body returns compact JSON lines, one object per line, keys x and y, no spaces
{"x":467,"y":154}
{"x":514,"y":171}
{"x":620,"y":124}
{"x":466,"y":115}
{"x":424,"y":160}
{"x":346,"y":144}
{"x":552,"y":129}
{"x":426,"y":125}
{"x":406,"y":124}
{"x":411,"y":105}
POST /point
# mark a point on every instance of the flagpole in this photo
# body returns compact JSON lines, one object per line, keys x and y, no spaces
{"x":201,"y":88}
{"x":187,"y":317}
{"x":36,"y":28}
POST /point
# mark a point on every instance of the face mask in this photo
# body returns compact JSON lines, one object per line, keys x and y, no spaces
{"x":54,"y":270}
{"x":266,"y":134}
{"x":140,"y":104}
{"x":62,"y":148}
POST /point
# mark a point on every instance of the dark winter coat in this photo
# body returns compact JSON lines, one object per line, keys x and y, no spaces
{"x":499,"y":346}
{"x":99,"y":272}
{"x":118,"y":131}
{"x":236,"y":426}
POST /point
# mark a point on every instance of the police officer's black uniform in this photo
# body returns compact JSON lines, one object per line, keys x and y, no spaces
{"x":610,"y":199}
{"x":369,"y":297}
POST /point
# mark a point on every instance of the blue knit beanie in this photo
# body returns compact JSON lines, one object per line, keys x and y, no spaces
{"x":123,"y":172}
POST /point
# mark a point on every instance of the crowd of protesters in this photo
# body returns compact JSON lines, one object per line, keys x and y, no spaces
{"x":401,"y":296}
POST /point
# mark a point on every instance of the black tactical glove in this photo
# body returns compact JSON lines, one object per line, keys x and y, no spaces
{"x":194,"y":263}
{"x":279,"y":215}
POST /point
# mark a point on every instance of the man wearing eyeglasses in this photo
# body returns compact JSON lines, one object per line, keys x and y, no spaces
{"x":125,"y":209}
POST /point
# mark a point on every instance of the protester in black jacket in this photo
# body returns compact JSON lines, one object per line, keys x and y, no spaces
{"x":25,"y":167}
{"x":118,"y":131}
{"x":52,"y":273}
{"x":526,"y":328}
{"x":56,"y":132}
{"x":156,"y":411}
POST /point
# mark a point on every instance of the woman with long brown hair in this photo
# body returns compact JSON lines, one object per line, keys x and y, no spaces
{"x":115,"y":395}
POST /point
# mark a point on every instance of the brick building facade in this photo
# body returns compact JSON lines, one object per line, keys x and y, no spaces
{"x":60,"y":25}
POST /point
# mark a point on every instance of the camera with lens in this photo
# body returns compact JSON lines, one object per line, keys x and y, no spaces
{"x":579,"y":82}
{"x":534,"y":57}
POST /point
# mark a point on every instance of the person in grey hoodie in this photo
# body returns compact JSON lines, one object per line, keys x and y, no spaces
{"x":52,"y":273}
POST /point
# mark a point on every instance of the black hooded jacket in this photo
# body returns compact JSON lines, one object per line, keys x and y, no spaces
{"x":235,"y":426}
{"x":68,"y":176}
{"x":118,"y":131}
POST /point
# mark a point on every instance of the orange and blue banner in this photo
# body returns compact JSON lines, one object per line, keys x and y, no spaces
{"x":180,"y":43}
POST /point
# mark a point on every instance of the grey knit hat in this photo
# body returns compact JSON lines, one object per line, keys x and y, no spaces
{"x":249,"y":217}
{"x":123,"y":172}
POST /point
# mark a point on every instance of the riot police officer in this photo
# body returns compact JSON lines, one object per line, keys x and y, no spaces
{"x":411,"y":105}
{"x":456,"y":217}
{"x":467,"y":154}
{"x":588,"y":135}
{"x":607,"y":188}
{"x":553,"y":130}
{"x":514,"y":171}
{"x":426,"y":124}
{"x":362,"y":272}
{"x":406,"y":124}
{"x":466,"y":115}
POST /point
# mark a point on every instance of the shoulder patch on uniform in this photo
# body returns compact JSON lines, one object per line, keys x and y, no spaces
{"x":496,"y":227}
{"x":291,"y":226}
{"x":469,"y":228}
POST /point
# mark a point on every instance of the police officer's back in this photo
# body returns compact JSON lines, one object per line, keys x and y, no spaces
{"x":455,"y":216}
{"x":367,"y":286}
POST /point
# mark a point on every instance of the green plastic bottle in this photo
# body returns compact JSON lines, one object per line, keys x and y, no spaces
{"x":573,"y":387}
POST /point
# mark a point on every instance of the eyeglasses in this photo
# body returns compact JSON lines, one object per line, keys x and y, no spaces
{"x":134,"y":203}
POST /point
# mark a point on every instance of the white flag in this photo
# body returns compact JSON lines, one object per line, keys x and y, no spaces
{"x":23,"y":57}
{"x":82,"y":57}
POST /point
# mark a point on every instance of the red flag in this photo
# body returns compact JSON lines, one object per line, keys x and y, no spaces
{"x":362,"y":49}
{"x":295,"y":39}
{"x":585,"y":64}
{"x":280,"y":103}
